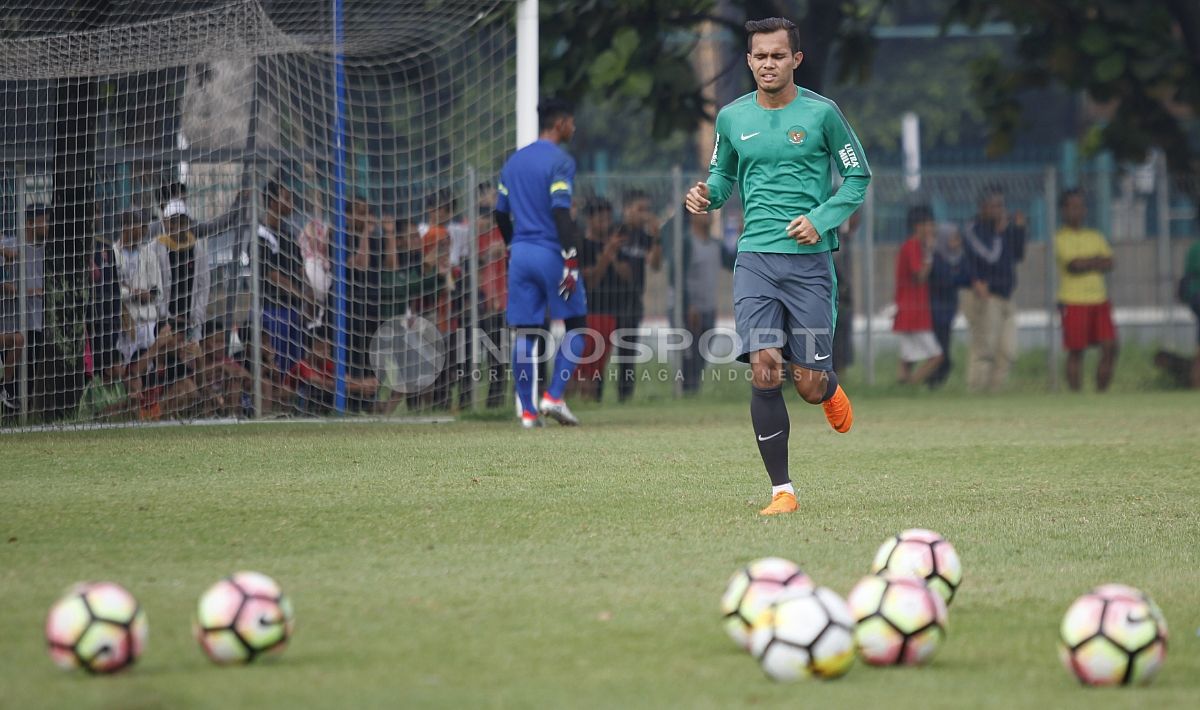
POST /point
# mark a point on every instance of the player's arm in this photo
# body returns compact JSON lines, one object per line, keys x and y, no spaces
{"x":503,"y":213}
{"x":562,"y":182}
{"x":851,"y":161}
{"x":722,"y":170}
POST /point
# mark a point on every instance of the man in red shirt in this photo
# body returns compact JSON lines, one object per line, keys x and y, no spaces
{"x":920,"y":354}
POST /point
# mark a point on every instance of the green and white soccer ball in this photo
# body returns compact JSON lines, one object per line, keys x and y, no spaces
{"x":899,"y":620}
{"x":1113,"y":635}
{"x":243,"y":616}
{"x":804,"y":633}
{"x":752,"y":589}
{"x":96,"y":626}
{"x":925,"y":554}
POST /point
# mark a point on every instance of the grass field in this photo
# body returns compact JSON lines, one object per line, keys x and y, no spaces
{"x":476,"y":565}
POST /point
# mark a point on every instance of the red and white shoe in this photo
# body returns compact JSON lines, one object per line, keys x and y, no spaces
{"x":557,"y":410}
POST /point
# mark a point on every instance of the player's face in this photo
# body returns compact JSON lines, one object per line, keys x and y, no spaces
{"x":566,"y":128}
{"x":772,"y":61}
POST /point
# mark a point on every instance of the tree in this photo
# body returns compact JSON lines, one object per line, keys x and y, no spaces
{"x":1141,"y":61}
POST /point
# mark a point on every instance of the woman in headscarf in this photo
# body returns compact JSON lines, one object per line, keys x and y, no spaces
{"x":950,"y":272}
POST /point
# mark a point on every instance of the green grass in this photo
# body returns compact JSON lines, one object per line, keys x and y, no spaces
{"x":475,"y":565}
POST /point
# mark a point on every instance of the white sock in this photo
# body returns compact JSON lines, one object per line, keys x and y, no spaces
{"x":785,"y":488}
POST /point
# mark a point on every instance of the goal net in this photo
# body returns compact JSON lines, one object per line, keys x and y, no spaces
{"x":246,"y":208}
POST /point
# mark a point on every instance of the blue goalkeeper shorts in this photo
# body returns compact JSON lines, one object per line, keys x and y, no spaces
{"x":534,"y":273}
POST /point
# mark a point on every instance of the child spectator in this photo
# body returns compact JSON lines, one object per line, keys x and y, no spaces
{"x":1084,"y":257}
{"x":920,"y":353}
{"x":947,"y":276}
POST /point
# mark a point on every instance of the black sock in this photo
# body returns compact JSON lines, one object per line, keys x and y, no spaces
{"x":769,"y":415}
{"x":830,"y":388}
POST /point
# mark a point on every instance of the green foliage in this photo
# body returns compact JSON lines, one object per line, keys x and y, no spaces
{"x":1142,"y":58}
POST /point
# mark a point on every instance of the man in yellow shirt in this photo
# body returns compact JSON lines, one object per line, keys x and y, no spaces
{"x":1084,"y":257}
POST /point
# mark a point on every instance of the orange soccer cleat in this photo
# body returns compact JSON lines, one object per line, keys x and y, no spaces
{"x":783,"y":502}
{"x":838,"y":411}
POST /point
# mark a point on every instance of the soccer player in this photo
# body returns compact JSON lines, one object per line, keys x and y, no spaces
{"x":1084,"y":257}
{"x":778,"y":143}
{"x":533,"y":212}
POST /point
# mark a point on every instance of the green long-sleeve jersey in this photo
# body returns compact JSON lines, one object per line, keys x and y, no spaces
{"x":781,"y":161}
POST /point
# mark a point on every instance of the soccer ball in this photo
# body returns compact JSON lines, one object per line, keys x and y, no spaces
{"x":805,"y":632}
{"x":752,"y":589}
{"x":97,"y":626}
{"x":925,"y":554}
{"x":243,"y":616}
{"x":900,"y":620}
{"x":1113,"y":635}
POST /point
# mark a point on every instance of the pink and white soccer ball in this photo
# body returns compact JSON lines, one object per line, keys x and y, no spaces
{"x":804,"y":633}
{"x":752,"y":589}
{"x":1113,"y":635}
{"x":922,"y":553}
{"x":243,"y":616}
{"x":898,"y":620}
{"x":97,"y":626}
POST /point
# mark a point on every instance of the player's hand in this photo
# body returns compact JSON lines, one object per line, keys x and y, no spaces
{"x":696,"y":200}
{"x":570,"y":277}
{"x":803,"y":231}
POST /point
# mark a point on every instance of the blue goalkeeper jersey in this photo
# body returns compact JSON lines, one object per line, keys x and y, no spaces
{"x":535,"y":180}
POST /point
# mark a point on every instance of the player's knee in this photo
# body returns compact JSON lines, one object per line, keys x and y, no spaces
{"x":811,"y":387}
{"x":766,"y":376}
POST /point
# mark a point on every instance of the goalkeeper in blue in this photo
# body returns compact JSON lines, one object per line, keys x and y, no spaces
{"x":533,"y":212}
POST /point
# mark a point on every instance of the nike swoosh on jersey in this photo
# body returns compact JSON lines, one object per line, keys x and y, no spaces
{"x":820,"y":357}
{"x":768,"y":438}
{"x":748,"y":136}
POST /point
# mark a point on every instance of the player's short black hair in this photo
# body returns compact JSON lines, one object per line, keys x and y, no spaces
{"x":768,"y":25}
{"x":552,"y":109}
{"x":1068,"y":194}
{"x":918,"y":214}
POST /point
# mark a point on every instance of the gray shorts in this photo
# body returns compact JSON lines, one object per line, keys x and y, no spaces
{"x":786,"y":301}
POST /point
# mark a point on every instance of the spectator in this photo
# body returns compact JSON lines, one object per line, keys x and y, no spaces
{"x":437,"y":240}
{"x":1084,"y":257}
{"x":318,"y":267}
{"x":281,"y":273}
{"x":187,"y":261}
{"x":948,"y":275}
{"x":920,"y":353}
{"x":642,"y":248}
{"x":1189,"y":288}
{"x":410,"y":278}
{"x":599,"y":261}
{"x":165,"y":371}
{"x":28,"y":253}
{"x":493,"y":301}
{"x":995,"y":244}
{"x":104,"y":321}
{"x":140,"y":280}
{"x":222,"y":384}
{"x":703,"y":257}
{"x":108,"y":397}
{"x":313,"y":377}
{"x":365,"y":243}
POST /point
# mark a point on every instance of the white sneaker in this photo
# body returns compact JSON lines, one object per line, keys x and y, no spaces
{"x":531,"y":421}
{"x":558,"y":411}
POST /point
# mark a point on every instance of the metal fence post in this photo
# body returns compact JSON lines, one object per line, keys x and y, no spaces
{"x":677,"y":285}
{"x":1050,"y":187}
{"x":869,"y":279}
{"x":1162,"y":268}
{"x":475,"y":380}
{"x":22,"y":297}
{"x":256,"y":309}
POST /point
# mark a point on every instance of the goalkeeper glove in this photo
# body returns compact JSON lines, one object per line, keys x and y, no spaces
{"x":570,"y":277}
